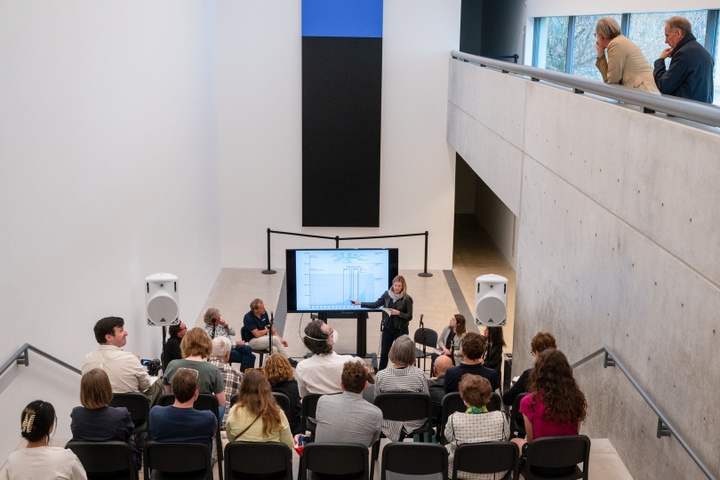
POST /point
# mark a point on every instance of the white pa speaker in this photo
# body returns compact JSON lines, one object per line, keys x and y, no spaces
{"x":161,"y":298}
{"x":491,"y":300}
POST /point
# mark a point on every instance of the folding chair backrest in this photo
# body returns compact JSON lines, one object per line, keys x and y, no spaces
{"x":266,"y":460}
{"x":416,"y":460}
{"x":557,"y":453}
{"x":327,"y":459}
{"x":107,"y":460}
{"x":487,"y":457}
{"x":189,"y":461}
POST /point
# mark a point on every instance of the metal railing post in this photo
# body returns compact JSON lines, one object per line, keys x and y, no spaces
{"x":269,"y":270}
{"x":425,"y":273}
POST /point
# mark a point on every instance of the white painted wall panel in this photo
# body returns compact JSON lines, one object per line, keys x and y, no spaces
{"x":259,"y":122}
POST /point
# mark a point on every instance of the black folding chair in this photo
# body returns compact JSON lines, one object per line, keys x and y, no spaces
{"x":283,"y":402}
{"x":487,"y":458}
{"x":309,"y":406}
{"x":427,"y":337}
{"x":174,"y":461}
{"x":517,"y":422}
{"x":415,"y":460}
{"x":204,"y":401}
{"x":105,"y":460}
{"x":451,"y":403}
{"x":558,"y":458}
{"x":137,"y":404}
{"x":258,"y":460}
{"x":327,"y":461}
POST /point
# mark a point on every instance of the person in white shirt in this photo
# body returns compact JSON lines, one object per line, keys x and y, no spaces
{"x":123,"y":368}
{"x":321,"y":373}
{"x":37,"y":460}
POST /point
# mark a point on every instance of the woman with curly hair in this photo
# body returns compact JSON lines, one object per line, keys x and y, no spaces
{"x":256,"y":417}
{"x":279,"y":373}
{"x":556,"y":405}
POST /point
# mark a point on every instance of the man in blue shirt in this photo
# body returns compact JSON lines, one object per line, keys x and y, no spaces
{"x":180,"y":422}
{"x":691,"y":69}
{"x":257,"y":326}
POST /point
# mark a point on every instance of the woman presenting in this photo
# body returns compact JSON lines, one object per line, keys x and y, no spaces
{"x":397,"y":313}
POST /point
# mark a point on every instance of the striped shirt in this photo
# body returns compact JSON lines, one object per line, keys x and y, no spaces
{"x":409,"y":379}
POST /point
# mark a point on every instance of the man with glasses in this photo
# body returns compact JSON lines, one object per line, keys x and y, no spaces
{"x":691,"y":69}
{"x":321,"y":373}
{"x":180,"y":422}
{"x":171,"y":349}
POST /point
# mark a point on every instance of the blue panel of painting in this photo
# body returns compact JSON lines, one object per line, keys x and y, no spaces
{"x":342,"y":18}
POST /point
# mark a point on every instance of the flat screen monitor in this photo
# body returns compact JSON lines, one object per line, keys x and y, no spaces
{"x":326,"y":280}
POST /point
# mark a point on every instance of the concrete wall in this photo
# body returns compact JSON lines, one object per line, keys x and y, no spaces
{"x":259,"y":124}
{"x":107,"y":174}
{"x":617,"y":246}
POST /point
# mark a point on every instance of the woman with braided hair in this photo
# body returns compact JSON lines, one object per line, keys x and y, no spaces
{"x":38,"y":461}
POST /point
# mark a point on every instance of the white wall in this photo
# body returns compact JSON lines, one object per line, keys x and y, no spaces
{"x":107,"y":174}
{"x":617,"y":246}
{"x":259,"y":122}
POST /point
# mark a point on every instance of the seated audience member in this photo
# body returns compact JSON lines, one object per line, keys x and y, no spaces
{"x":256,"y":416}
{"x":401,"y":376}
{"x":216,"y":326}
{"x":321,"y":372}
{"x":124,"y":370}
{"x":494,"y":349}
{"x":348,"y":417}
{"x":37,"y":460}
{"x":257,"y":327}
{"x":95,"y":420}
{"x":476,"y":424}
{"x":540,"y":342}
{"x":449,"y":341}
{"x":472,"y":352}
{"x":436,"y":384}
{"x":221,"y":348}
{"x":279,"y":373}
{"x":180,"y":422}
{"x":196,"y":348}
{"x":625,"y":63}
{"x":555,"y":407}
{"x":171,"y":349}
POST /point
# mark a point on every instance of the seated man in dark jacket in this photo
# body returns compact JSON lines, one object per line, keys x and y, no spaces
{"x":473,"y":349}
{"x":436,"y":384}
{"x":171,"y":349}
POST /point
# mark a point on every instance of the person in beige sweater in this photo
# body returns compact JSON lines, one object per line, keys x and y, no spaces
{"x":625,"y":63}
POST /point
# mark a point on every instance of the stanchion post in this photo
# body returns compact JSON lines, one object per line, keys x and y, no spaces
{"x":269,"y":270}
{"x":425,"y":273}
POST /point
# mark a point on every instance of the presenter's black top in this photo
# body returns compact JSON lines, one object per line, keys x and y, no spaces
{"x":403,"y":304}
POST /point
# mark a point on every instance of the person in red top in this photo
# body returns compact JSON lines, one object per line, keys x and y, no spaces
{"x":556,"y":405}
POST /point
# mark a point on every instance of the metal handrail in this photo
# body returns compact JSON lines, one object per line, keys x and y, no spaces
{"x":665,"y":428}
{"x":22,"y":357}
{"x":650,"y":102}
